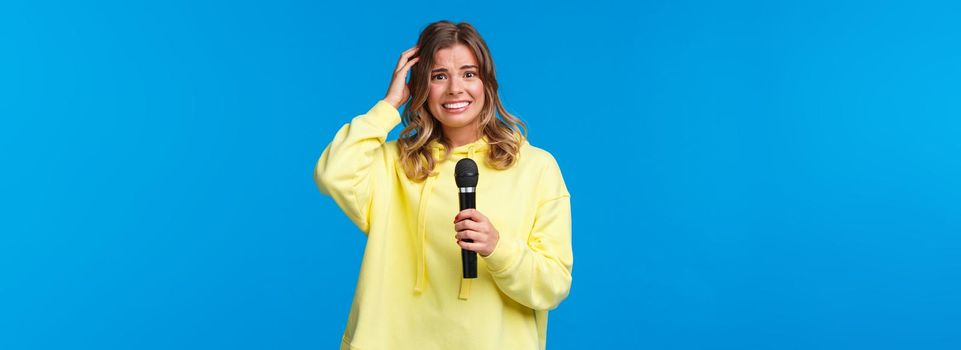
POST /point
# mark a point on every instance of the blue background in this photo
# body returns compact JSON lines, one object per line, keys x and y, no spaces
{"x":745,"y":175}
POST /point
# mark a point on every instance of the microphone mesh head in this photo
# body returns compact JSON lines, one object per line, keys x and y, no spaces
{"x":465,"y":173}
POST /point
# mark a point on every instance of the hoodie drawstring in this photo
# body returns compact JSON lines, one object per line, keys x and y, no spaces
{"x":422,"y":235}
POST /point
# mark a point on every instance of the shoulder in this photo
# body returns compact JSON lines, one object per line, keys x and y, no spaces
{"x":387,"y":152}
{"x":536,"y":156}
{"x":390,"y":149}
{"x":390,"y":146}
{"x":549,"y":180}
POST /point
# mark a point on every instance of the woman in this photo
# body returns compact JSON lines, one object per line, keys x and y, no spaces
{"x":410,"y":293}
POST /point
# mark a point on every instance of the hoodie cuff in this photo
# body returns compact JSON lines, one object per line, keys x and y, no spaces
{"x":505,"y":255}
{"x":383,"y":115}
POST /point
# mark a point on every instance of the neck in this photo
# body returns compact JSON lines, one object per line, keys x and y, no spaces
{"x":462,"y":136}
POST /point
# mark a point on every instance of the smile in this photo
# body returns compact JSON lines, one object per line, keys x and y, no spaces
{"x":456,"y":107}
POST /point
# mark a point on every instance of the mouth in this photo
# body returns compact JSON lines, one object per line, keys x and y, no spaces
{"x":456,"y":107}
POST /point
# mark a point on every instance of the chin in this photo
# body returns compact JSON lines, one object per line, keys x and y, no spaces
{"x":456,"y":120}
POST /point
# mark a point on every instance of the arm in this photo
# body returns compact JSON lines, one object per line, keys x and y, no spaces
{"x":537,"y":273}
{"x":344,"y":169}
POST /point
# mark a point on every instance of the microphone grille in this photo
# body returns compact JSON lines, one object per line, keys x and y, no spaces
{"x":465,"y":173}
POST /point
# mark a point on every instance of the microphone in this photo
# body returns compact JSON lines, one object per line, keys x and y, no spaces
{"x":465,"y":174}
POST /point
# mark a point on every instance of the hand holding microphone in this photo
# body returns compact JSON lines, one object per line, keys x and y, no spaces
{"x":475,"y":232}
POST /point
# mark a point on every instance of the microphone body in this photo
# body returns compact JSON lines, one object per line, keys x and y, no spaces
{"x":465,"y":173}
{"x":468,"y":258}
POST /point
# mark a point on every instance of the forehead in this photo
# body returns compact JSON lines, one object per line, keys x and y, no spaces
{"x":454,"y":56}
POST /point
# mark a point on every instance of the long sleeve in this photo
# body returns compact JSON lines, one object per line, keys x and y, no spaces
{"x":537,"y":273}
{"x":344,"y":169}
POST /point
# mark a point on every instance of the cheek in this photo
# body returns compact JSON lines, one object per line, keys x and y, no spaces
{"x":477,"y":90}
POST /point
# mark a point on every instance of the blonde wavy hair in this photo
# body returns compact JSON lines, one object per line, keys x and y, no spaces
{"x":505,"y":132}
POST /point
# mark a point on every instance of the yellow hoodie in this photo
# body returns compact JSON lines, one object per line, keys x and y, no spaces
{"x":410,"y":293}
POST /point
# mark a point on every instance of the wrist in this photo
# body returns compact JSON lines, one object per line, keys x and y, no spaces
{"x":393,"y":102}
{"x":504,"y":256}
{"x":493,"y":248}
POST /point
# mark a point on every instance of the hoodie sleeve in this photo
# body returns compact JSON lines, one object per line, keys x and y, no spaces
{"x":344,"y":168}
{"x":537,"y":273}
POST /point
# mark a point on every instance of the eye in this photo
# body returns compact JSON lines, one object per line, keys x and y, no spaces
{"x":437,"y":76}
{"x":470,"y":74}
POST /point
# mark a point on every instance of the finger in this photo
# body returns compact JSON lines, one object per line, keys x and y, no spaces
{"x":468,"y":225}
{"x":470,"y":235}
{"x":470,"y":246}
{"x":405,"y":56}
{"x":410,"y":63}
{"x":402,"y":69}
{"x":472,"y":214}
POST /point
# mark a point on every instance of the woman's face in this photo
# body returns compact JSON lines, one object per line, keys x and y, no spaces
{"x":454,"y":80}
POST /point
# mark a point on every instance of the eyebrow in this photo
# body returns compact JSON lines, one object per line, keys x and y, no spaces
{"x":466,"y":66}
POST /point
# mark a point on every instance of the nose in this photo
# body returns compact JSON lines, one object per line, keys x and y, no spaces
{"x":456,"y":87}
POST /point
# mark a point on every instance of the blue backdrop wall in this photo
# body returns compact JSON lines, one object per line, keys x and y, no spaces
{"x":744,"y":175}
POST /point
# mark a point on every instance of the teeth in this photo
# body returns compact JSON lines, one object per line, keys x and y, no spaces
{"x":456,"y":105}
